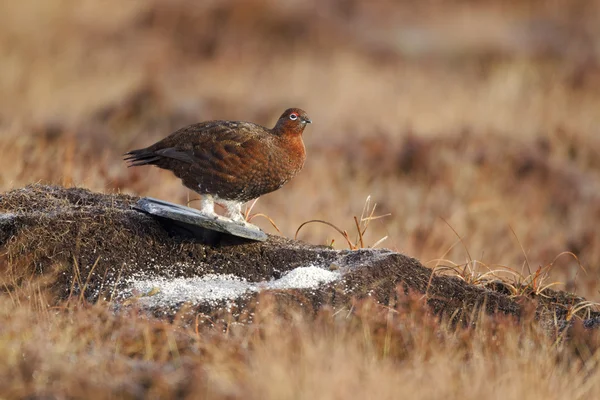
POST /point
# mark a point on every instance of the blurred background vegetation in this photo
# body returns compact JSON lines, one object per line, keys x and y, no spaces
{"x":477,"y":119}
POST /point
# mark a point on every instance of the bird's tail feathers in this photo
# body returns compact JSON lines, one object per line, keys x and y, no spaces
{"x":135,"y":158}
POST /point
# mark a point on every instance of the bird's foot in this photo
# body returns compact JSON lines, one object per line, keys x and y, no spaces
{"x":233,"y":210}
{"x":210,"y":215}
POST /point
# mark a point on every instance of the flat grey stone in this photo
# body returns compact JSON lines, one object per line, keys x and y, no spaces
{"x":193,"y":222}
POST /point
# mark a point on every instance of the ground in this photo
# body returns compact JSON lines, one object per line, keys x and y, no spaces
{"x":475,"y":125}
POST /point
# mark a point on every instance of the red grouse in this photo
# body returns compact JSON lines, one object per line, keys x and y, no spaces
{"x":230,"y":162}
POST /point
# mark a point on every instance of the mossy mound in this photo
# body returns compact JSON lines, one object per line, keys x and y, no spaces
{"x":94,"y":245}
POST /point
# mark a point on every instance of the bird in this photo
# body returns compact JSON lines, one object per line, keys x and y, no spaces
{"x":230,"y":162}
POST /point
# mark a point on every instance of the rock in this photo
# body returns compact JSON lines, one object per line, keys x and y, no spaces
{"x":189,"y":223}
{"x":99,"y":246}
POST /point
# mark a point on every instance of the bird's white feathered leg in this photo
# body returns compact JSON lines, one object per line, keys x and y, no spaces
{"x":207,"y":205}
{"x":233,"y":210}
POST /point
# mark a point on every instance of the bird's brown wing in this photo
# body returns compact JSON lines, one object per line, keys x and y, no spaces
{"x":218,"y":157}
{"x":175,"y":154}
{"x":218,"y":143}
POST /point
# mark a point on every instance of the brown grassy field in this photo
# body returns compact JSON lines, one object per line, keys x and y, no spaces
{"x":474,"y":124}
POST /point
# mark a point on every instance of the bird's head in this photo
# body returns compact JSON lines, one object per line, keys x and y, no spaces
{"x":293,"y":120}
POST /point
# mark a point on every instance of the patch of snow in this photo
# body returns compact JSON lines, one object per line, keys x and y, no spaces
{"x":163,"y":291}
{"x":304,"y":278}
{"x":214,"y":288}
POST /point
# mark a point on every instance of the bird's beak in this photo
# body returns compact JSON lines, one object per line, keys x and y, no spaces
{"x":307,"y":121}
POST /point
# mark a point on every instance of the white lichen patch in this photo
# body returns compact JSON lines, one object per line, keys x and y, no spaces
{"x":7,"y":216}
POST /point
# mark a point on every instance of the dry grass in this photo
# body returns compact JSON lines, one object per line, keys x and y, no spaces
{"x":372,"y":352}
{"x":479,"y":119}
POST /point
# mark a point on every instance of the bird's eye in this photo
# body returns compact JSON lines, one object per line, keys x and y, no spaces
{"x":293,"y":117}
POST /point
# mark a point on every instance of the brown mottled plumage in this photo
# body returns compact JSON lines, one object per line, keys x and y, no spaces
{"x":232,"y":162}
